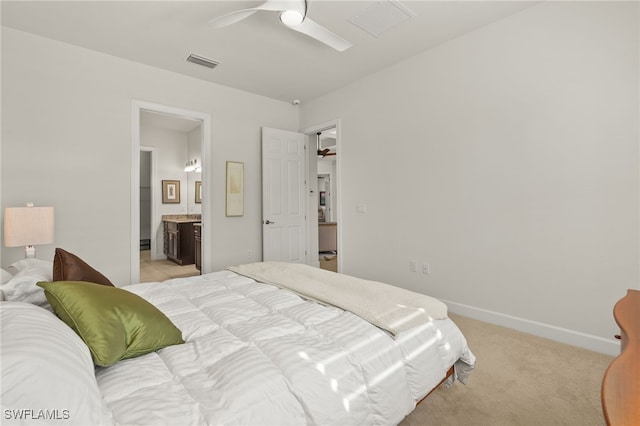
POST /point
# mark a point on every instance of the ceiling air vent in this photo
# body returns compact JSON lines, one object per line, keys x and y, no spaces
{"x":381,"y":16}
{"x":201,"y":60}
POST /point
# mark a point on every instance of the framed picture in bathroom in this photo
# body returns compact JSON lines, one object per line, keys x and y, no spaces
{"x":171,"y":192}
{"x":198,"y":192}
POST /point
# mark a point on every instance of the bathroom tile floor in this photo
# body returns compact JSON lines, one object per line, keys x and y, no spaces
{"x":161,"y":270}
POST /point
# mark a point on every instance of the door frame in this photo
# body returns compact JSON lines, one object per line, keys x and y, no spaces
{"x":152,"y":188}
{"x":137,"y":107}
{"x":312,"y":178}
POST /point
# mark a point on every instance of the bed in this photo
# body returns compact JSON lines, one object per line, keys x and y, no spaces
{"x":248,"y":353}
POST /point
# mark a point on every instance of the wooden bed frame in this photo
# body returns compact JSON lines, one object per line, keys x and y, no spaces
{"x":449,"y":374}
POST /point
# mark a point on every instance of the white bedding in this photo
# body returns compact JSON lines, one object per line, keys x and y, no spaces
{"x":255,"y":354}
{"x":47,"y":372}
{"x":391,"y":308}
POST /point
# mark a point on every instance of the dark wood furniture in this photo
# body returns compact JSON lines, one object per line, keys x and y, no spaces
{"x":197,"y":230}
{"x":179,"y":242}
{"x":621,"y":382}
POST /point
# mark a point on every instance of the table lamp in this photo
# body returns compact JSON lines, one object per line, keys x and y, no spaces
{"x":28,"y":226}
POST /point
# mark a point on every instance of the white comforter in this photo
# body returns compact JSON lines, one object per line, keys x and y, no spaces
{"x":389,"y":307}
{"x":259,"y":355}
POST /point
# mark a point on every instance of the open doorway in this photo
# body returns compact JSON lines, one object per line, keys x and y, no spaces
{"x":323,"y":166}
{"x":170,"y":151}
{"x":326,"y":151}
{"x":165,"y":140}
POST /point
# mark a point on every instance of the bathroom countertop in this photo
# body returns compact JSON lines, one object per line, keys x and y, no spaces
{"x":181,"y":218}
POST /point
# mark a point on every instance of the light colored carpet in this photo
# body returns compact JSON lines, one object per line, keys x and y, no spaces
{"x":519,"y":379}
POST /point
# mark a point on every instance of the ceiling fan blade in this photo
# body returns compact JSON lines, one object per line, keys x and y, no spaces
{"x":239,"y":15}
{"x":320,"y":33}
{"x":231,"y":18}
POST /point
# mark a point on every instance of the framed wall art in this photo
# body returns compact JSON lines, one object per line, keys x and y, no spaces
{"x":235,"y":189}
{"x":198,"y":192}
{"x":171,"y":192}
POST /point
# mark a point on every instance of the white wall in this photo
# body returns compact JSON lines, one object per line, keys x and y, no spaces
{"x":171,"y":155}
{"x":510,"y":165}
{"x":194,"y":141}
{"x":66,"y":141}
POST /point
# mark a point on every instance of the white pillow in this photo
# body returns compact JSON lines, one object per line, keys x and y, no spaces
{"x":32,"y":265}
{"x":47,"y":373}
{"x":22,"y":286}
{"x":5,"y":276}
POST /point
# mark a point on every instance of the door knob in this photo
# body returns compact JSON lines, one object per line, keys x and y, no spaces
{"x":267,"y":222}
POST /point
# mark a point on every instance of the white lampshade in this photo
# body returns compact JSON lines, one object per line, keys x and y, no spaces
{"x":28,"y":226}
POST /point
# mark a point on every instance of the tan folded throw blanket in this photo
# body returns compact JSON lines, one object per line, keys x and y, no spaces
{"x":391,"y":308}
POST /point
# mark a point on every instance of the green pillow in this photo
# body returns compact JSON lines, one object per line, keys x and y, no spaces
{"x":115,"y":324}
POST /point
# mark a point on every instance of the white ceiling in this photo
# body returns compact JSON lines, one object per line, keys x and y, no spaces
{"x":258,"y":54}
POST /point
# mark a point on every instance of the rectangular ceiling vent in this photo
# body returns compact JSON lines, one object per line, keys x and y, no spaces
{"x":201,"y":60}
{"x":381,"y":16}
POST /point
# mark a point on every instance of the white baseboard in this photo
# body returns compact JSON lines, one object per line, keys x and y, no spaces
{"x":559,"y":334}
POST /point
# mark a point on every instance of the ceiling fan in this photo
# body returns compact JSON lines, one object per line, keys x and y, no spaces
{"x":323,"y":152}
{"x":293,"y":14}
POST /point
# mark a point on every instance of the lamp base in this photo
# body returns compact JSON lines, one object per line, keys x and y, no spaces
{"x":29,"y":252}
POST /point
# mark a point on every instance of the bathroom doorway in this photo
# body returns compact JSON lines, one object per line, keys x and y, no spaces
{"x":153,"y":129}
{"x":323,"y":148}
{"x":169,"y":146}
{"x":326,"y":155}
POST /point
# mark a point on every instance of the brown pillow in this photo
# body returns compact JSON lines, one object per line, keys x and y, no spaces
{"x":69,"y":267}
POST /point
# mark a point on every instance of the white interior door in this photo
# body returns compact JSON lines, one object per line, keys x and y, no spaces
{"x":283,"y":196}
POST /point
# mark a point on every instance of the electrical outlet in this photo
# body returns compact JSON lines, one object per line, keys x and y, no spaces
{"x":426,"y":269}
{"x":249,"y":254}
{"x":413,"y":266}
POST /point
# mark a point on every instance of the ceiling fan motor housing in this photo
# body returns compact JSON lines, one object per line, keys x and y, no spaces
{"x":293,"y":13}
